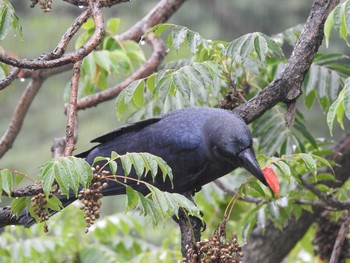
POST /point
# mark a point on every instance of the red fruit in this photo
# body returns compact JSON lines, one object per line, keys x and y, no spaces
{"x":271,"y":179}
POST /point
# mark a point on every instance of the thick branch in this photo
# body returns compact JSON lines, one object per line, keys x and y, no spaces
{"x":343,"y":231}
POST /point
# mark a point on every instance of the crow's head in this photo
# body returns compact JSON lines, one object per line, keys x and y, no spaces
{"x":229,"y":139}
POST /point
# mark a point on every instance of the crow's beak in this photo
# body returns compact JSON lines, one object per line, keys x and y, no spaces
{"x":249,"y":162}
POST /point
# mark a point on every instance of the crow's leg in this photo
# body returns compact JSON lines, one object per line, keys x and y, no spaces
{"x":190,"y":227}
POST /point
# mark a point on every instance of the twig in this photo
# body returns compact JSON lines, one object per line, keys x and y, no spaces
{"x":231,"y":192}
{"x":325,"y":198}
{"x":10,"y":78}
{"x":21,"y":110}
{"x":159,"y":14}
{"x":72,"y":109}
{"x":71,"y":57}
{"x":103,"y":3}
{"x":145,"y":70}
{"x":343,"y":231}
{"x":67,"y":37}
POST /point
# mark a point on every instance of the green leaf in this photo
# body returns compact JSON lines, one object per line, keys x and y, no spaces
{"x":328,"y":27}
{"x":332,"y":111}
{"x":8,"y":19}
{"x":178,"y":36}
{"x":152,"y":163}
{"x":132,"y":198}
{"x":134,"y":51}
{"x":309,"y":162}
{"x":113,"y":25}
{"x":54,"y":203}
{"x":18,"y":204}
{"x":102,"y":59}
{"x":159,"y":29}
{"x":260,"y":46}
{"x":138,"y":163}
{"x":69,"y":172}
{"x":346,"y":100}
{"x":194,"y":40}
{"x":182,"y":85}
{"x":283,"y":167}
{"x":258,"y":42}
{"x":256,"y":187}
{"x":9,"y":180}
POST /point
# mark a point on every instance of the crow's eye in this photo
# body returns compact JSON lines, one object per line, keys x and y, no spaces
{"x":222,"y":153}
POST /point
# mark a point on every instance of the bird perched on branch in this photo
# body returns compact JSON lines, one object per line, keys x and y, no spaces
{"x":199,"y":144}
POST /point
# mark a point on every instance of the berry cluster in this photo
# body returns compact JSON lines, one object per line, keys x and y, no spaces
{"x":215,"y":249}
{"x":45,"y":4}
{"x":91,"y":199}
{"x":39,"y":202}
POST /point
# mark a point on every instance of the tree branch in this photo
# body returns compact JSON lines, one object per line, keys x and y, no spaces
{"x":145,"y":70}
{"x":103,"y":3}
{"x":159,"y":14}
{"x":72,"y":110}
{"x":10,"y":78}
{"x":71,"y":57}
{"x":287,"y":86}
{"x":21,"y":110}
{"x":343,"y":231}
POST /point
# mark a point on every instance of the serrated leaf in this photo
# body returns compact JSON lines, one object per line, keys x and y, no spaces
{"x":19,"y":204}
{"x":194,"y":40}
{"x":159,"y":29}
{"x":131,"y":198}
{"x":8,"y":19}
{"x":152,"y":164}
{"x":54,"y":203}
{"x":138,"y":163}
{"x":130,"y":91}
{"x":6,"y":181}
{"x":66,"y":171}
{"x":178,"y":36}
{"x":5,"y":21}
{"x":126,"y":163}
{"x":182,"y":85}
{"x":113,"y":166}
{"x":260,"y":46}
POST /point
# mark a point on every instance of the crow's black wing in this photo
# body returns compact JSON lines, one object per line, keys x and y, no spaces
{"x":125,"y":129}
{"x":110,"y":136}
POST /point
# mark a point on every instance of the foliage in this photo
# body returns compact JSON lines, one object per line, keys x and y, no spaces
{"x":213,"y":64}
{"x":115,"y":238}
{"x":8,"y":20}
{"x":213,"y":69}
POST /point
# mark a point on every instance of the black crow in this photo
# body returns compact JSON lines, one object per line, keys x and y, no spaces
{"x":199,"y":144}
